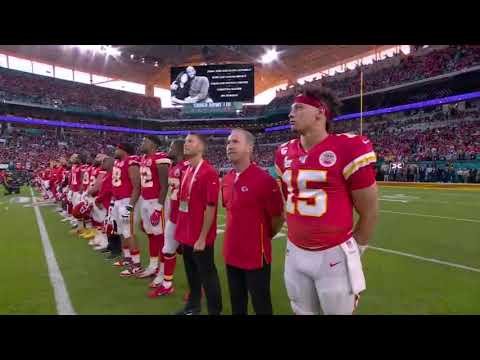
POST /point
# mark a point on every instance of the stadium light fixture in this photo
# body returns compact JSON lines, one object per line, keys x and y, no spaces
{"x":111,"y":51}
{"x":132,"y":56}
{"x":269,"y":56}
{"x":93,"y":48}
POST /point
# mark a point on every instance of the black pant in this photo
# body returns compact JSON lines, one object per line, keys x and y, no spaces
{"x":114,"y":244}
{"x":200,"y":269}
{"x":257,"y":283}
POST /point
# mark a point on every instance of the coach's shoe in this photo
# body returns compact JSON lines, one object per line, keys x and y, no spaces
{"x":161,"y":291}
{"x":123,"y":262}
{"x":185,"y":311}
{"x":157,"y":281}
{"x":148,"y":272}
{"x":132,"y":270}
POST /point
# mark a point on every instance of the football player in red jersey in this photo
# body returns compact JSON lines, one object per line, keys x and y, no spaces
{"x":96,"y":237}
{"x":154,"y":166}
{"x":325,"y":176}
{"x":162,"y":283}
{"x":126,"y":185}
{"x":75,"y":182}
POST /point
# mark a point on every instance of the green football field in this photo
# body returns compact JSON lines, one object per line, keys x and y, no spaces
{"x":424,"y":259}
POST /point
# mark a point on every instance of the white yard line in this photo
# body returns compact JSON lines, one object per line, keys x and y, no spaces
{"x":62,"y":299}
{"x":393,"y":200}
{"x":435,"y":261}
{"x":429,"y":216}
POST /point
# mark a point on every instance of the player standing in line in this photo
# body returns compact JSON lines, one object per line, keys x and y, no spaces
{"x":163,"y":283}
{"x":97,"y":237}
{"x":75,"y":183}
{"x":126,"y":192}
{"x":325,"y":176}
{"x":154,"y":166}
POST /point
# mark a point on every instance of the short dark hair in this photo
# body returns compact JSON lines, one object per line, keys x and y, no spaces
{"x":155,"y":139}
{"x":325,"y":95}
{"x":127,"y":147}
{"x":202,"y":138}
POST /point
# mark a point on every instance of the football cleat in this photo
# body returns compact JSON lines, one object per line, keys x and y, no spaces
{"x":132,"y":270}
{"x":157,"y":281}
{"x":161,"y":291}
{"x":148,"y":272}
{"x":123,"y":262}
{"x":99,"y":247}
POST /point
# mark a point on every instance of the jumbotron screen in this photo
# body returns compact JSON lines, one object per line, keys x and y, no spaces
{"x":226,"y":83}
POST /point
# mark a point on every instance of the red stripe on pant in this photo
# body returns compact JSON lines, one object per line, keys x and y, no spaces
{"x":155,"y":245}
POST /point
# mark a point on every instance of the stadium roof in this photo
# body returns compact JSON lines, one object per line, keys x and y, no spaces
{"x":295,"y":60}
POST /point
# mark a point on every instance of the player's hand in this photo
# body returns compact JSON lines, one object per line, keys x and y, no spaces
{"x":199,"y":244}
{"x":362,"y":248}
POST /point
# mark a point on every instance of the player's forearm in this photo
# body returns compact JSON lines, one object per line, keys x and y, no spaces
{"x":135,"y":196}
{"x":207,"y":220}
{"x":163,"y":195}
{"x":365,"y":227}
{"x":277,"y":223}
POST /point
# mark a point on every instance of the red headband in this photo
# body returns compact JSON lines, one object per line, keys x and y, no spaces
{"x":304,"y":99}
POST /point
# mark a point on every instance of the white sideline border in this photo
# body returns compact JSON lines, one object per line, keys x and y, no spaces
{"x":429,"y":216}
{"x":62,"y":299}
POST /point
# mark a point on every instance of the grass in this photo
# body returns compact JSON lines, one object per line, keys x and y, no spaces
{"x":395,"y":284}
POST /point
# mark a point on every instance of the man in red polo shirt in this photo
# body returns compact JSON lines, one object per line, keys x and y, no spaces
{"x":254,"y":207}
{"x":197,"y":227}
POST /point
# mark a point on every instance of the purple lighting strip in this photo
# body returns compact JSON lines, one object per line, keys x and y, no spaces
{"x":15,"y":119}
{"x":394,"y":109}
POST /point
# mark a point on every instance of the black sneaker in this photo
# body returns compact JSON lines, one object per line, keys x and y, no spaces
{"x":106,"y":250}
{"x":186,"y":311}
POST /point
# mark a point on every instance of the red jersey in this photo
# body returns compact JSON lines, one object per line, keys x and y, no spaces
{"x":149,"y":174}
{"x":175,"y":175}
{"x":122,"y":186}
{"x":86,"y":172}
{"x":76,"y":181}
{"x":198,"y":191}
{"x":105,"y":193}
{"x":251,"y":200}
{"x":318,"y":185}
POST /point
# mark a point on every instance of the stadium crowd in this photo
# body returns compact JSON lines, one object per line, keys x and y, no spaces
{"x":37,"y":89}
{"x":403,"y":68}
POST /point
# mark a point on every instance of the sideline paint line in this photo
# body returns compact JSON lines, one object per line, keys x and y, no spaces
{"x":435,"y":261}
{"x":429,"y":216}
{"x":62,"y":299}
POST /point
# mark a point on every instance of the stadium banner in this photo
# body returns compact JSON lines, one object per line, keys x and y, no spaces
{"x":202,"y":108}
{"x":212,"y":84}
{"x":4,"y":166}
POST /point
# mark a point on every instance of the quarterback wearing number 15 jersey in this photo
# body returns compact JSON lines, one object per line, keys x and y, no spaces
{"x":317,"y":184}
